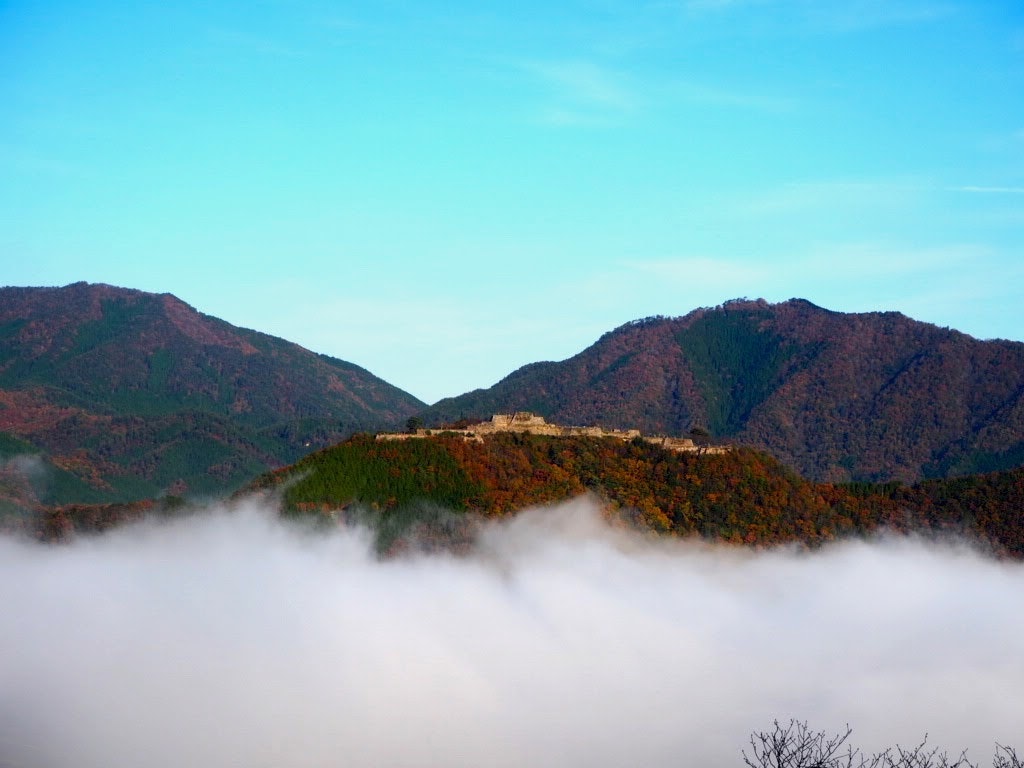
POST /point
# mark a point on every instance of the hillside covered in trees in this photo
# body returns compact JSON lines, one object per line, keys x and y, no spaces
{"x":838,"y":397}
{"x":109,"y":394}
{"x":743,"y":496}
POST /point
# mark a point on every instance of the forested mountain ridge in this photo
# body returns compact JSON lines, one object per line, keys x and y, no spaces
{"x":114,"y":394}
{"x":838,"y":397}
{"x":109,"y":394}
{"x":741,"y":496}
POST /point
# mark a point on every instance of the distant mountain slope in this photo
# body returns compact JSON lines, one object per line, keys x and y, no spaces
{"x":122,"y":394}
{"x":874,"y":396}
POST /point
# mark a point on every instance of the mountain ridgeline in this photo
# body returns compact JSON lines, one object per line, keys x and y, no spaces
{"x":838,"y":397}
{"x":109,"y":394}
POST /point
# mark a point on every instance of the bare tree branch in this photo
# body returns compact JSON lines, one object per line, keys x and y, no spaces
{"x":795,"y":745}
{"x":1006,"y":757}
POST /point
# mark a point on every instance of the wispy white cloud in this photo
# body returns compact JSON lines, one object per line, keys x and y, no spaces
{"x":706,"y":272}
{"x":563,"y":116}
{"x":583,"y":91}
{"x":843,"y":194}
{"x":891,"y":204}
{"x":831,"y":15}
{"x":30,"y":466}
{"x":721,"y":5}
{"x":856,"y":15}
{"x":949,"y":285}
{"x":846,"y":265}
{"x":727,"y":96}
{"x":341,"y":23}
{"x":437,"y":345}
{"x":241,"y":41}
{"x":988,"y":190}
{"x":834,"y":194}
{"x":867,"y":262}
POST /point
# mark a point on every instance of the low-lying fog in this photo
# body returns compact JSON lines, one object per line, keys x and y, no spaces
{"x":232,"y":639}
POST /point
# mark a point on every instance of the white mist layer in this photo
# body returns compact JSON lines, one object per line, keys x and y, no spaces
{"x":231,"y":639}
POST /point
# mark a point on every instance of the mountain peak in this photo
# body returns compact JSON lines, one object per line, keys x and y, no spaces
{"x":167,"y":397}
{"x":838,"y":396}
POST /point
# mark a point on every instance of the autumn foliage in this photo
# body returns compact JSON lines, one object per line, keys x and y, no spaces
{"x":838,"y":396}
{"x":742,"y":496}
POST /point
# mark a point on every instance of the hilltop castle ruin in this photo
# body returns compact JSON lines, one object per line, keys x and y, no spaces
{"x":524,"y":421}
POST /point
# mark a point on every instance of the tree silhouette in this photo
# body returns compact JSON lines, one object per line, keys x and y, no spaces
{"x":795,"y":745}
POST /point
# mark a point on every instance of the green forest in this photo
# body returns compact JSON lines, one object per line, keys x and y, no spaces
{"x":742,"y":496}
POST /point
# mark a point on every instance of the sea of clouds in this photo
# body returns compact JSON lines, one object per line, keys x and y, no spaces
{"x":230,"y":638}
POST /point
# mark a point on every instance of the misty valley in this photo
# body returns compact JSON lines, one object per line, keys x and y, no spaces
{"x":235,"y":637}
{"x":587,"y":384}
{"x":721,"y":539}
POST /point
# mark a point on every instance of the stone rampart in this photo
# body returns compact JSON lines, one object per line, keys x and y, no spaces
{"x":524,"y":421}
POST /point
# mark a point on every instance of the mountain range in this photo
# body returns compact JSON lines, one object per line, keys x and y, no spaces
{"x":110,"y":394}
{"x":839,"y":397}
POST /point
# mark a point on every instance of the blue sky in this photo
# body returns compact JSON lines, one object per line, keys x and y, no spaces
{"x":442,"y":192}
